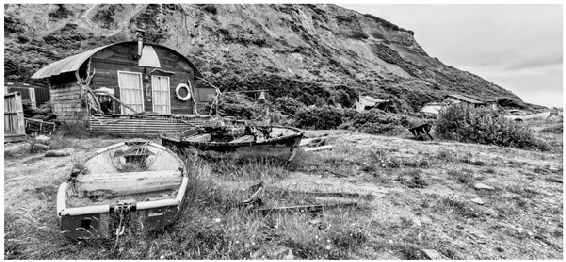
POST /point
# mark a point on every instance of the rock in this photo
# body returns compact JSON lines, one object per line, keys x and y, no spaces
{"x":285,"y":254}
{"x":478,"y":200}
{"x":416,"y":222}
{"x":19,"y":148}
{"x":314,"y":222}
{"x":433,"y":254}
{"x":58,"y":153}
{"x":480,"y":185}
{"x":40,"y":146}
{"x":42,"y":139}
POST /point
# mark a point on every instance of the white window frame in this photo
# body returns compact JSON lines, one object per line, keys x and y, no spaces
{"x":142,"y":89}
{"x":168,"y":93}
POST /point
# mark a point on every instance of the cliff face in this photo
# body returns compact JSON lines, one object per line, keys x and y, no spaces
{"x":246,"y":46}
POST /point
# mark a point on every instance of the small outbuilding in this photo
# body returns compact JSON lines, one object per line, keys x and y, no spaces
{"x":368,"y":102}
{"x":128,"y":78}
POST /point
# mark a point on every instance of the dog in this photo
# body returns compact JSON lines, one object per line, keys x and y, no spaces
{"x":421,"y":130}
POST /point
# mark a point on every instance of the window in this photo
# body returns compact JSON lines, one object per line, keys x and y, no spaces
{"x":131,"y":91}
{"x":161,"y":95}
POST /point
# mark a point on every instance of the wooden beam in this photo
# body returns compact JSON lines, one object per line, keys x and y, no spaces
{"x":303,"y":208}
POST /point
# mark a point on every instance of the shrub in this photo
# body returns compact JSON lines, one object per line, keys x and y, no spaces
{"x":465,"y":123}
{"x":319,"y":118}
{"x":289,"y":106}
{"x":376,"y":122}
{"x":239,"y":105}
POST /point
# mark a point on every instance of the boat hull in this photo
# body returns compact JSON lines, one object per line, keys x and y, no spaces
{"x":83,"y":214}
{"x":282,"y":148}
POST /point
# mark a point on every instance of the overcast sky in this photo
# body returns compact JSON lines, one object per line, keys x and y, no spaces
{"x":518,"y":47}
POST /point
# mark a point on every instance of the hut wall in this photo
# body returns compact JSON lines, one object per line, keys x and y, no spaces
{"x":121,"y":58}
{"x":66,"y":101}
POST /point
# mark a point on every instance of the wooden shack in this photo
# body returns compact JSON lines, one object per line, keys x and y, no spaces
{"x":144,"y":79}
{"x":14,"y":125}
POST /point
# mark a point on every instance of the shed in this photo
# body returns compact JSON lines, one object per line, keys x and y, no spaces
{"x":460,"y":98}
{"x":33,"y":92}
{"x":365,"y":102}
{"x":145,"y":78}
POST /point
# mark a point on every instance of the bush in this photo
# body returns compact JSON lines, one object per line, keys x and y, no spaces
{"x":288,"y":106}
{"x":319,"y":118}
{"x":239,"y":105}
{"x":465,"y":123}
{"x":376,"y":121}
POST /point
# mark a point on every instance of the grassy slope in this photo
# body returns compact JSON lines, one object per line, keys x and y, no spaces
{"x":421,"y":200}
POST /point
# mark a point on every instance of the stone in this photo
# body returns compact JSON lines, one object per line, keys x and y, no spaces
{"x":433,"y":254}
{"x":58,"y":153}
{"x":42,"y":139}
{"x":480,"y":185}
{"x":478,"y":200}
{"x":416,"y":222}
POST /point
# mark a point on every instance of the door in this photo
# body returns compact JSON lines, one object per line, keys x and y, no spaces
{"x":161,"y":98}
{"x":131,"y":91}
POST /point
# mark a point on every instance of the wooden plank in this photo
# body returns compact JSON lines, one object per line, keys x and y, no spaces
{"x":246,"y":138}
{"x":318,"y":148}
{"x":128,"y":182}
{"x":304,"y":208}
{"x":199,"y":138}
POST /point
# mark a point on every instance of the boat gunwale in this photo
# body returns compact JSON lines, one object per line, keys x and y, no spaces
{"x":62,"y":209}
{"x":299,"y":133}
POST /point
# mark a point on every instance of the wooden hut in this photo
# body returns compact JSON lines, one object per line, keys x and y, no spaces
{"x":137,"y":78}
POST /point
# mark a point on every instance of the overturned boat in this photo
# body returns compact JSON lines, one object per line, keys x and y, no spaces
{"x":135,"y":184}
{"x":236,"y":142}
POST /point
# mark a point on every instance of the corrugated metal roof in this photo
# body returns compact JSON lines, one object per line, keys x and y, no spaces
{"x":73,"y":63}
{"x":69,"y":64}
{"x":467,"y":99}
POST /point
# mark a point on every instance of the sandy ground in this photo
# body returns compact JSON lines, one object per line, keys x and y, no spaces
{"x":521,"y":218}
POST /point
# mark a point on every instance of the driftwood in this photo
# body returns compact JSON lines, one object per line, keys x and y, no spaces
{"x":333,"y":194}
{"x":303,"y":208}
{"x":85,"y":85}
{"x":313,"y":142}
{"x":253,"y":201}
{"x":318,"y":148}
{"x":57,"y":153}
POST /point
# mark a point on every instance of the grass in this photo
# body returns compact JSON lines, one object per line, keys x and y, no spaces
{"x":413,"y":184}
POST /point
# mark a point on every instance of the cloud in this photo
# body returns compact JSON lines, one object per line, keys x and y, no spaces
{"x":516,"y":46}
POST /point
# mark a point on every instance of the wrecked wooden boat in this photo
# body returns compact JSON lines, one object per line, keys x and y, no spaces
{"x":236,"y":142}
{"x":133,"y":184}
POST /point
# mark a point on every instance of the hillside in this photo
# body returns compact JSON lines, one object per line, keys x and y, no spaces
{"x":329,"y":50}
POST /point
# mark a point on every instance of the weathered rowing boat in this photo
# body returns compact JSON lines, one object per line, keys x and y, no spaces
{"x":135,"y":183}
{"x":237,"y":142}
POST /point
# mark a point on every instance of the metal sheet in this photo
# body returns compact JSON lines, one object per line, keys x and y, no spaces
{"x":69,"y":64}
{"x":74,"y":62}
{"x":149,"y":57}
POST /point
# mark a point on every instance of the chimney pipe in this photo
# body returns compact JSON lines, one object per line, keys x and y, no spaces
{"x":139,"y":36}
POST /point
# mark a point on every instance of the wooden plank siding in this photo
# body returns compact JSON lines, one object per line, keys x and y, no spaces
{"x":68,"y":99}
{"x":120,"y":58}
{"x":151,"y":125}
{"x":14,"y":123}
{"x":66,"y":102}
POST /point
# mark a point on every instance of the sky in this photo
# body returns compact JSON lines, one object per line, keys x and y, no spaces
{"x":519,"y":47}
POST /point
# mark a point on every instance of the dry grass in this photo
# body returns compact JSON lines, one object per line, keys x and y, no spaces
{"x":421,"y":193}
